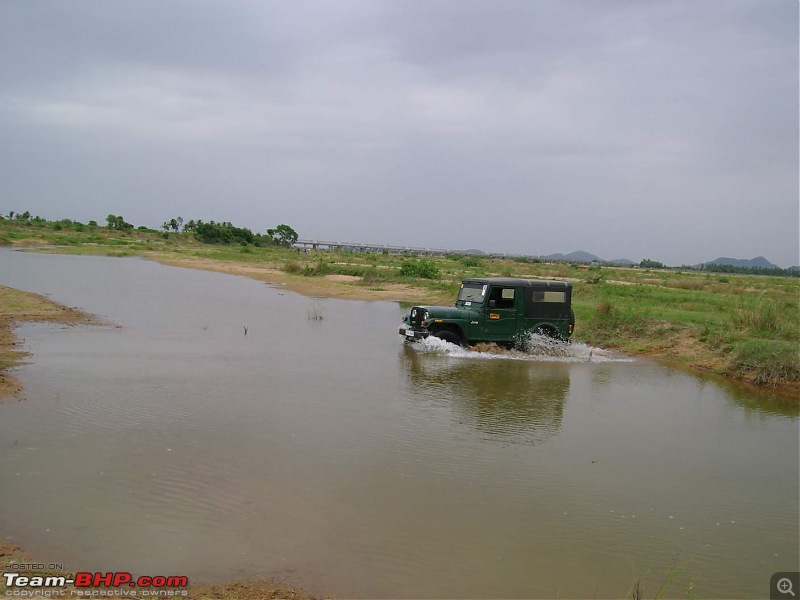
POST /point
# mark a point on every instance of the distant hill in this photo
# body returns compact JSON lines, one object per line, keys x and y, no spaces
{"x":757,"y":262}
{"x":622,"y":261}
{"x":577,"y":256}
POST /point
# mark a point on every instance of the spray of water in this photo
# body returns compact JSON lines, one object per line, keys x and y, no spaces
{"x":536,"y":348}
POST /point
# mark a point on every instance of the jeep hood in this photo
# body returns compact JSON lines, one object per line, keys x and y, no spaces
{"x":449,"y":312}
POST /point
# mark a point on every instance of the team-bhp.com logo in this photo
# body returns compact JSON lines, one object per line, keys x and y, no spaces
{"x":114,"y":583}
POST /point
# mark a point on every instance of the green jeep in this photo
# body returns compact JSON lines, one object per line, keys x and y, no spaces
{"x":495,"y":309}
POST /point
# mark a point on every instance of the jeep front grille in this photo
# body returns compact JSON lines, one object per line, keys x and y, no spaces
{"x":417,"y":317}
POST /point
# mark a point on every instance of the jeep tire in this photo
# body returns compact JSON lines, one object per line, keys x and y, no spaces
{"x":449,"y":336}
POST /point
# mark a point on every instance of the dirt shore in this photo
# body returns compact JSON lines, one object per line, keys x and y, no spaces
{"x":16,"y":307}
{"x":247,"y":590}
{"x":331,"y":286}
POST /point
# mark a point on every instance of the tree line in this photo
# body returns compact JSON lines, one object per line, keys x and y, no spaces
{"x":226,"y":232}
{"x":209,"y":232}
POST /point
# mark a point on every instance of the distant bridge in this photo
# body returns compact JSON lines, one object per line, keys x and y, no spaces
{"x":374,"y":248}
{"x":388,"y":249}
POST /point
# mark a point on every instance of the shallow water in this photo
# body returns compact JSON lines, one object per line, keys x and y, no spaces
{"x":330,"y":453}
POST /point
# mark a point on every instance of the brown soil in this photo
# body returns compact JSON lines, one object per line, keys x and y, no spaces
{"x":249,"y":590}
{"x":15,"y":307}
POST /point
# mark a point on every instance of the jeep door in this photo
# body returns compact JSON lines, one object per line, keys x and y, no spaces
{"x":500,"y":314}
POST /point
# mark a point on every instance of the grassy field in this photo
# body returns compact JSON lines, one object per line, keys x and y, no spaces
{"x":743,"y":326}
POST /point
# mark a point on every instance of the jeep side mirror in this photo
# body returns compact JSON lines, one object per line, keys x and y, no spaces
{"x":492,"y":303}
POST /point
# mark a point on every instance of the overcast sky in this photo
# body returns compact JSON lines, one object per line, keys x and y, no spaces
{"x":626,"y":128}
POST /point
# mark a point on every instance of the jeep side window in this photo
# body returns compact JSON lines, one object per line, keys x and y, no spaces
{"x":503,"y":297}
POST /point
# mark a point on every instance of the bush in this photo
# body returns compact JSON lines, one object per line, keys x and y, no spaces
{"x":320,"y":268}
{"x":769,"y":319}
{"x":766,"y":361}
{"x":593,"y":276}
{"x":372,"y":276}
{"x":470,"y":261}
{"x":604,"y":308}
{"x":293,"y":267}
{"x":424,"y":268}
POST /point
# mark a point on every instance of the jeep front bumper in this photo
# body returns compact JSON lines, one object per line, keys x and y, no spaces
{"x":413,"y":334}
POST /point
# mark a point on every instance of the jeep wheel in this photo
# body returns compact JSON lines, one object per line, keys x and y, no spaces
{"x":547,"y":331}
{"x":449,"y":336}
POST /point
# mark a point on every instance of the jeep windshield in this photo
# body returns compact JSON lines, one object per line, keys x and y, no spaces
{"x":471,"y":293}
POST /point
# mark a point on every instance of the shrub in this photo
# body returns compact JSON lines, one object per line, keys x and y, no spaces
{"x":766,"y":361}
{"x":593,"y":275}
{"x":424,"y":268}
{"x":604,"y":308}
{"x":372,"y":276}
{"x":766,"y":317}
{"x":470,"y":261}
{"x":293,"y":267}
{"x":320,"y":268}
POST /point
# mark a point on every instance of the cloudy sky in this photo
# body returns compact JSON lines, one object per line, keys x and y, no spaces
{"x":626,"y":128}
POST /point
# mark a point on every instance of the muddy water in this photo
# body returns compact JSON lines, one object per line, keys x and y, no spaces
{"x":329,"y":453}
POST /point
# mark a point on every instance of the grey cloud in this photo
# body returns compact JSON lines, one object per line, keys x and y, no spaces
{"x":666,"y":130}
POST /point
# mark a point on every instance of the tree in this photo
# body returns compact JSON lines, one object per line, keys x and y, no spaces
{"x":283,"y":235}
{"x":651,"y":264}
{"x":117,"y":222}
{"x":222,"y":233}
{"x":173,"y":224}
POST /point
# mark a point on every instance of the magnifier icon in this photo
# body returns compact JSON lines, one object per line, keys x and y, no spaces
{"x":784,"y":586}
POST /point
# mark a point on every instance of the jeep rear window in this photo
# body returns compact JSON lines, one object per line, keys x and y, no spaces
{"x":472,"y":292}
{"x":549,"y":296}
{"x":546,"y":304}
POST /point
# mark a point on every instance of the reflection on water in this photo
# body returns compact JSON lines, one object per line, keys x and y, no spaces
{"x":514,"y":400}
{"x":763,"y":402}
{"x":335,"y":455}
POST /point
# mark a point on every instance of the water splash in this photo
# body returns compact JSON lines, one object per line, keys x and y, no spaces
{"x":538,"y":348}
